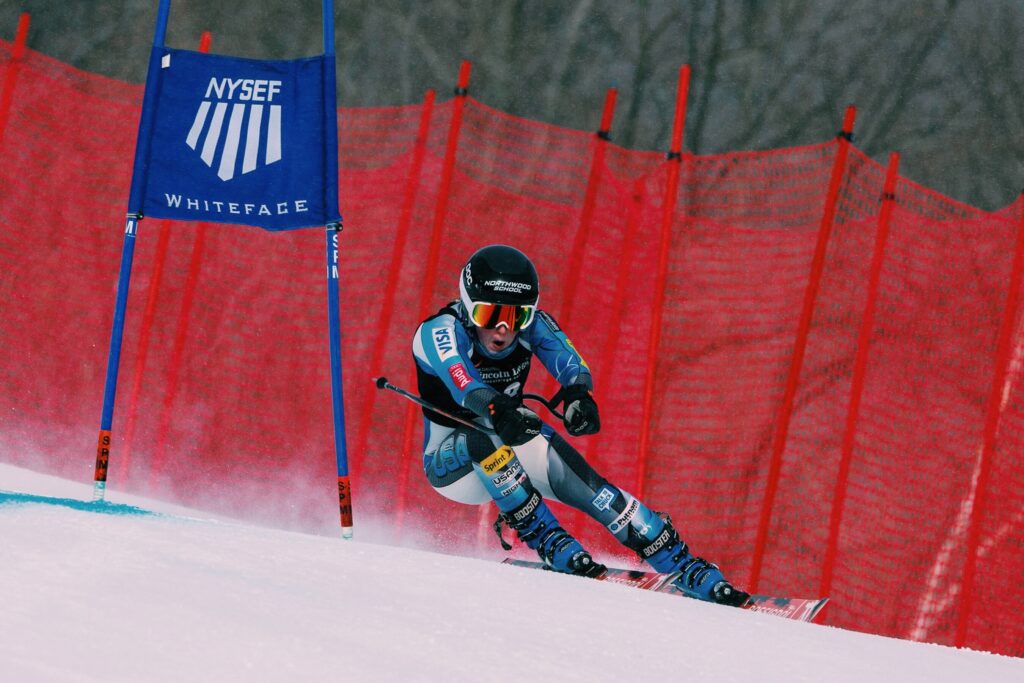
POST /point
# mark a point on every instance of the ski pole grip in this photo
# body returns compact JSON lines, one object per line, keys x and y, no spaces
{"x":381,"y":382}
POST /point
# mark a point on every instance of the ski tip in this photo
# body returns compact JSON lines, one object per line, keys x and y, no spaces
{"x":798,"y":609}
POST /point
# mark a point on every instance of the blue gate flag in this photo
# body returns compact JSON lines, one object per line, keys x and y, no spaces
{"x":234,"y":140}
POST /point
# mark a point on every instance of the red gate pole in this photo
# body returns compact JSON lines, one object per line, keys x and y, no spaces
{"x":1003,"y":350}
{"x":152,"y":296}
{"x":600,"y":145}
{"x":7,"y":94}
{"x":430,"y":275}
{"x":394,"y":270}
{"x":606,"y":355}
{"x":674,"y":161}
{"x":800,"y":345}
{"x":859,"y":371}
{"x":139,"y":368}
{"x":177,"y":352}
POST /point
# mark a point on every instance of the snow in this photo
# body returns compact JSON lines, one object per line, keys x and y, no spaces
{"x":139,"y":590}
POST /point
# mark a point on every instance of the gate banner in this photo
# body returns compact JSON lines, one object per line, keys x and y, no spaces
{"x":233,"y":140}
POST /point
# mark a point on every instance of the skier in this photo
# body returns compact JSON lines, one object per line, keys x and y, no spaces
{"x":472,"y":359}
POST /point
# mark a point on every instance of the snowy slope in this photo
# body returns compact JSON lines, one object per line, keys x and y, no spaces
{"x":129,"y":595}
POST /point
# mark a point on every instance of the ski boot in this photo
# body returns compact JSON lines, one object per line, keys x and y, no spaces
{"x":537,"y":527}
{"x":697,"y":577}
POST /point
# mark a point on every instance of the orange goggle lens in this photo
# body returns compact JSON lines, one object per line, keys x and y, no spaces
{"x":490,"y":316}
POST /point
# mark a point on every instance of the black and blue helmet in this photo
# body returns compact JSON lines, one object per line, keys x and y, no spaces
{"x":499,"y":285}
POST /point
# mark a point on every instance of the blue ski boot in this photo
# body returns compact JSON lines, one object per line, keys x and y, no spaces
{"x":537,"y":527}
{"x":697,"y":577}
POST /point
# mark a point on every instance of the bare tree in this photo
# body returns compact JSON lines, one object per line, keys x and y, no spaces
{"x":939,"y":80}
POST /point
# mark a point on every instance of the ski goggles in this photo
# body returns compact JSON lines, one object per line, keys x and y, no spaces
{"x":490,"y":316}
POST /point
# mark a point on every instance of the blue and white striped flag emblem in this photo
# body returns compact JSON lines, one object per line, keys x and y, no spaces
{"x":244,"y":135}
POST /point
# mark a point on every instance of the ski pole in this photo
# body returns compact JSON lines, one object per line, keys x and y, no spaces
{"x":383,"y":383}
{"x":550,"y":403}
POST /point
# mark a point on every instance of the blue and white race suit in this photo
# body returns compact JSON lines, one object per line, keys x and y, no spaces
{"x":459,"y":375}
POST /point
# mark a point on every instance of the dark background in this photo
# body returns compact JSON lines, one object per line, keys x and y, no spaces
{"x":941,"y":81}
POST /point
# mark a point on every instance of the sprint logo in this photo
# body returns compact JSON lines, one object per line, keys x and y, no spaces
{"x":237,"y":126}
{"x":496,"y":460}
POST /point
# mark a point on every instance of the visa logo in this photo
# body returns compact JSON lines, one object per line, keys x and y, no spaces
{"x":444,"y":342}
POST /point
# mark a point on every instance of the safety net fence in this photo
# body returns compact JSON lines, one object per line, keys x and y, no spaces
{"x":843,"y":415}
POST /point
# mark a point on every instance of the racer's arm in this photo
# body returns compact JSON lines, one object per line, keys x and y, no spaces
{"x":551,"y":345}
{"x":547,"y":341}
{"x":442,"y":348}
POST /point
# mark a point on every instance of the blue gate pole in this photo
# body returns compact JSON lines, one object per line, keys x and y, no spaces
{"x":333,"y":234}
{"x":124,"y":275}
{"x":337,"y":399}
{"x":114,"y":358}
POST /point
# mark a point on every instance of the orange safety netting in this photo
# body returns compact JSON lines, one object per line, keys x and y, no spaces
{"x":224,"y":391}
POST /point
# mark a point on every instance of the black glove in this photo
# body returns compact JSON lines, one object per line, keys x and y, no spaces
{"x":515,"y":423}
{"x":580,"y":410}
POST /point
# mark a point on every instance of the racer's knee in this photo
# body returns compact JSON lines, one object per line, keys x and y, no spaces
{"x":448,"y":463}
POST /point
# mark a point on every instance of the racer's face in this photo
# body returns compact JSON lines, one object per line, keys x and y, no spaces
{"x":496,"y":339}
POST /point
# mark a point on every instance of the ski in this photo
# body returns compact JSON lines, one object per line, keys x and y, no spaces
{"x":798,"y":609}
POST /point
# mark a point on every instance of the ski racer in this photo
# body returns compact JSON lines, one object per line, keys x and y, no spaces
{"x":472,"y":359}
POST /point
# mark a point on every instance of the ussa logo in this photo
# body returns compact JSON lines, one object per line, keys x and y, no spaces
{"x":249,"y":101}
